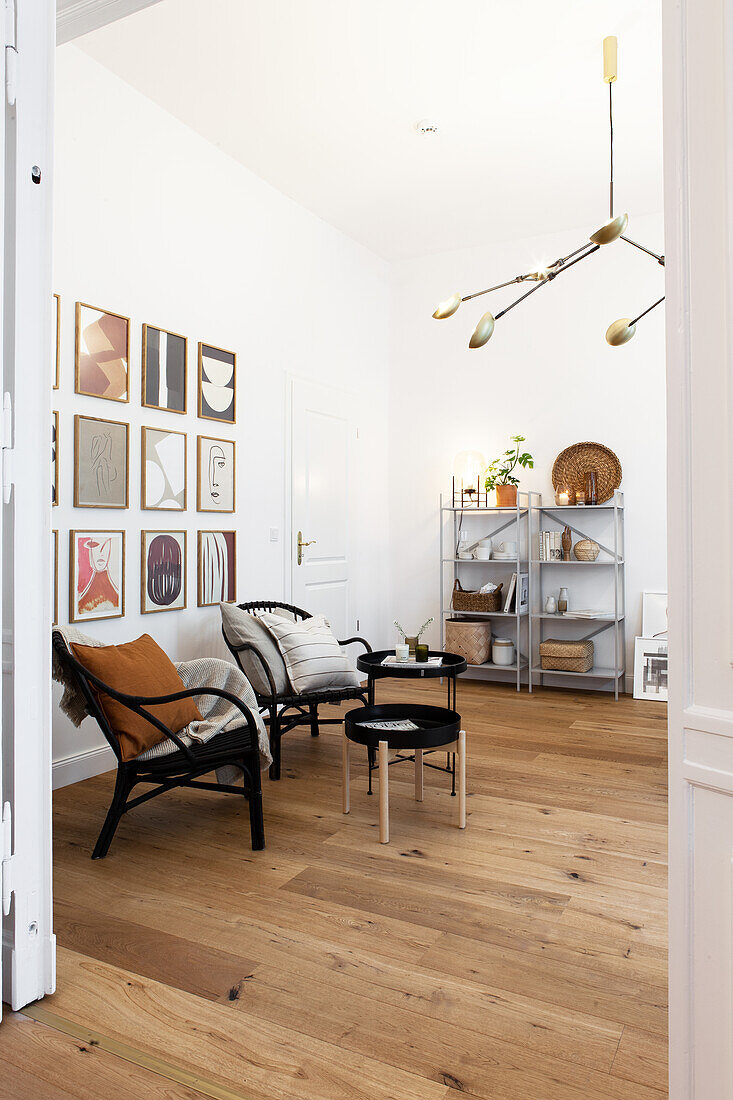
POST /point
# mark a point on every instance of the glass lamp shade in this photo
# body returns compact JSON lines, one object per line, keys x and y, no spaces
{"x":611,"y":231}
{"x":468,"y":466}
{"x":620,"y":332}
{"x":448,"y":307}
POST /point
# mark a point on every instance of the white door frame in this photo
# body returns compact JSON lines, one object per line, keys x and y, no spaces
{"x":28,"y":942}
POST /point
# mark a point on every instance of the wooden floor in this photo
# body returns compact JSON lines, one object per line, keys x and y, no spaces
{"x":524,"y":958}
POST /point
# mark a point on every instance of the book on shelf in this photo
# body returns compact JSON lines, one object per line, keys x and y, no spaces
{"x":588,"y":613}
{"x":549,"y":547}
{"x":510,"y":593}
{"x":518,"y":590}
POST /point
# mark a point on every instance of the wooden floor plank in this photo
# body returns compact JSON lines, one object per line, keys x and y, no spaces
{"x":522,"y":958}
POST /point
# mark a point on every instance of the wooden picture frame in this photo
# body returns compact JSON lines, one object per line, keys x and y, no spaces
{"x":55,"y":460}
{"x":144,"y":396}
{"x":211,"y":388}
{"x":200,"y":474}
{"x":78,"y":502}
{"x":167,"y":484}
{"x":57,"y":326}
{"x":114,"y":386}
{"x":73,"y":572}
{"x":146,"y":540}
{"x":55,"y":578}
{"x":206,"y":547}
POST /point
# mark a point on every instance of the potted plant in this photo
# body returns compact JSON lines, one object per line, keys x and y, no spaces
{"x":500,"y":474}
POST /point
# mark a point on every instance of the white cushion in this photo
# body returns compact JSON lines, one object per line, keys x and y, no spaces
{"x":313,"y":658}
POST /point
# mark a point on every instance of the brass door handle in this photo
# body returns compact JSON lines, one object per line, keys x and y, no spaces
{"x":301,"y":544}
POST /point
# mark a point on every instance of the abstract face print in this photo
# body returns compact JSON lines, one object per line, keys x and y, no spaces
{"x":216,"y":474}
{"x":97,"y":570}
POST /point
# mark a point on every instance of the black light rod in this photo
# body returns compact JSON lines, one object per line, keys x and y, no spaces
{"x":642,"y":248}
{"x":517,"y":279}
{"x":657,"y":303}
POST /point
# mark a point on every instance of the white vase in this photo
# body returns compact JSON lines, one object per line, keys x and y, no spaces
{"x":550,"y":605}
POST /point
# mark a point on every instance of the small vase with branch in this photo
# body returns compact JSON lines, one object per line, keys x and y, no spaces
{"x":412,"y":639}
{"x":500,"y":474}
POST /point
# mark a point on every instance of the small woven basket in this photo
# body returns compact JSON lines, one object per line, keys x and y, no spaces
{"x":476,"y":601}
{"x":566,"y":656}
{"x":469,"y":639}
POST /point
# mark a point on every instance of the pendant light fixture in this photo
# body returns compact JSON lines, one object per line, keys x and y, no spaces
{"x":621,"y":331}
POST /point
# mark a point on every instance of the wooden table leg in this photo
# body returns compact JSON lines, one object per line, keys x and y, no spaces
{"x":418,"y":775}
{"x":384,"y":792}
{"x":346,"y":805}
{"x":462,"y":779}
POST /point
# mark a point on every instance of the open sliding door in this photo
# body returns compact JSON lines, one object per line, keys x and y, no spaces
{"x":28,"y":957}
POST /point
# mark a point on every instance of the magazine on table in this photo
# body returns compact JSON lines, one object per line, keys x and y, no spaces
{"x":431,"y":662}
{"x":391,"y":727}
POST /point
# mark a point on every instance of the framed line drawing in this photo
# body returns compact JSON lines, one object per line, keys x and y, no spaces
{"x":164,"y":358}
{"x":54,"y":459}
{"x":215,"y":474}
{"x":56,"y":330}
{"x":101,"y":462}
{"x":163,"y":470}
{"x":217,"y":384}
{"x":162,"y":571}
{"x":96,"y":575}
{"x":102,"y":353}
{"x":217,"y":567}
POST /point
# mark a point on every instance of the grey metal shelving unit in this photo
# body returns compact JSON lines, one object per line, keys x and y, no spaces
{"x":610,"y":562}
{"x":486,"y":521}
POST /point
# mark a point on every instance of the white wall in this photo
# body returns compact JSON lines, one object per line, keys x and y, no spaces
{"x":548,"y":374}
{"x":155,"y":223}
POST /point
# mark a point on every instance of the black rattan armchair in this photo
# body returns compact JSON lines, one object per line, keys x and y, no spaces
{"x":285,"y":712}
{"x":238,"y":747}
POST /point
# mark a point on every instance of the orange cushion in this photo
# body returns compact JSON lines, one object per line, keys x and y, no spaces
{"x":137,"y":668}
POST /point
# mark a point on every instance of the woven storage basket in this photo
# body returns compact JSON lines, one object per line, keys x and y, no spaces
{"x":586,"y":550}
{"x":572,"y":464}
{"x":559,"y":656}
{"x":469,"y":639}
{"x":475,"y":601}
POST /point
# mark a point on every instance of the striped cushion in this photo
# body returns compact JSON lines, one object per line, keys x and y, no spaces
{"x":312,"y":656}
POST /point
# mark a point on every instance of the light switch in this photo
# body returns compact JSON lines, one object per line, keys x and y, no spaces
{"x":274,"y":534}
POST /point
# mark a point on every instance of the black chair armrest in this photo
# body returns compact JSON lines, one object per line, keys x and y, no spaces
{"x":363,"y":641}
{"x":249,"y":647}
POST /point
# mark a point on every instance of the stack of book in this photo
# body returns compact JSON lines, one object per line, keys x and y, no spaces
{"x":549,"y":546}
{"x":517,"y":591}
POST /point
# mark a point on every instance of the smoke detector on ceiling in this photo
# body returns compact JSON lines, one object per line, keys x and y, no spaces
{"x":426,"y":127}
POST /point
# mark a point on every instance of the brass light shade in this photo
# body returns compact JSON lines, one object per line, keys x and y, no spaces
{"x":620,"y":332}
{"x":483,"y":331}
{"x":448,"y":307}
{"x":611,"y":231}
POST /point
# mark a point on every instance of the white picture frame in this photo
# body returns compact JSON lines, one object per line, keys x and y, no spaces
{"x":654,"y":622}
{"x":651,"y":664}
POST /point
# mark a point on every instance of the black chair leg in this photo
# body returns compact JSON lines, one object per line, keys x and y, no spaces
{"x":274,"y":730}
{"x":256,"y":820}
{"x":313,"y":711}
{"x":115,"y":812}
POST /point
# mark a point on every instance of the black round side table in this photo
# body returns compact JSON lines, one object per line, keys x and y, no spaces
{"x":430,"y":728}
{"x":451,"y":666}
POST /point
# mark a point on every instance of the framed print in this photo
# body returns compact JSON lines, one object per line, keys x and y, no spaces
{"x":164,"y":370}
{"x":163,"y":470}
{"x":163,"y":571}
{"x":217,"y":567}
{"x":56,"y":345}
{"x":102,"y":353}
{"x":654,"y":615}
{"x":96,"y":575}
{"x":217,"y":384}
{"x":215,"y":475}
{"x":650,"y":668}
{"x":54,"y":458}
{"x":55,"y":579}
{"x":101,"y":453}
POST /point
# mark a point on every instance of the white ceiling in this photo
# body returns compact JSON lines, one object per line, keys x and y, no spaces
{"x":319,"y":98}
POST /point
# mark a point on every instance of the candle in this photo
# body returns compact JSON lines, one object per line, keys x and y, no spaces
{"x":563,"y":498}
{"x":421,"y":653}
{"x":402,"y":652}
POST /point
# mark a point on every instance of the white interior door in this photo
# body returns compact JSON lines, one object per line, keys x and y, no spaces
{"x":321,"y":520}
{"x":28,"y":955}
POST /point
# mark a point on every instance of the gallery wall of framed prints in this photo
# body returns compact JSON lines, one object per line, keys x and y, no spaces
{"x":127,"y":466}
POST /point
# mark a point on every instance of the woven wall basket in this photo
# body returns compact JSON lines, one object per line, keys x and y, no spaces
{"x":572,"y":464}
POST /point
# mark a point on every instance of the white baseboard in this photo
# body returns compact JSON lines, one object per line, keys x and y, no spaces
{"x":83,"y":765}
